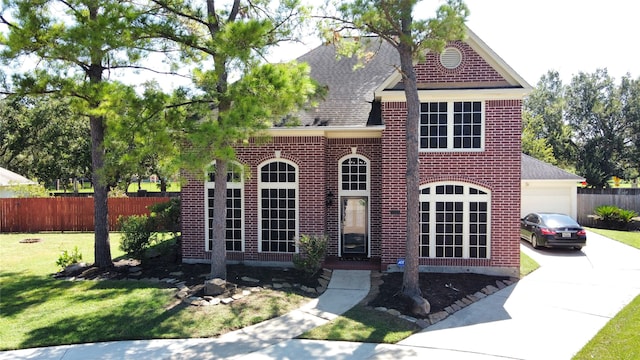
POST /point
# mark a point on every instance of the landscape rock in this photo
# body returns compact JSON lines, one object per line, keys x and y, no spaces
{"x":214,"y":287}
{"x":420,"y":306}
{"x":437,"y":317}
{"x":249,"y":279}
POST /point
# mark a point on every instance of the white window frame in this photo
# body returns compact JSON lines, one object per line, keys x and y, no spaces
{"x":230,"y":185}
{"x":451,"y":125}
{"x":466,"y":198}
{"x":354,"y":193}
{"x":278,"y":185}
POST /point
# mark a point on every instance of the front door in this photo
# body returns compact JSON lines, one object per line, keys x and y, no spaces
{"x":354,"y":226}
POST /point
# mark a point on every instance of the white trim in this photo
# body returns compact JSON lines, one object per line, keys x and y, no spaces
{"x":230,"y":185}
{"x":330,"y":132}
{"x":286,"y":185}
{"x":354,"y":193}
{"x":450,"y":94}
{"x":465,"y":198}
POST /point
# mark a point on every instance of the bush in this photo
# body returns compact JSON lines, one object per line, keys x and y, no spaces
{"x":166,"y":215}
{"x":313,"y":248}
{"x":65,"y":259}
{"x":613,"y":217}
{"x":136,"y":234}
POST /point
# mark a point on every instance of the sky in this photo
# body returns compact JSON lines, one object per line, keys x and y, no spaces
{"x":535,"y":36}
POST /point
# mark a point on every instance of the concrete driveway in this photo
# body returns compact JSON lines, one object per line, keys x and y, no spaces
{"x":550,"y":314}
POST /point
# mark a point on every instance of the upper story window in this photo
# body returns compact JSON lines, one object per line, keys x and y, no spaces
{"x":452,"y":125}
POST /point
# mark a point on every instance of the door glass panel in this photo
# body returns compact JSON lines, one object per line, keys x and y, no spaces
{"x":354,"y":225}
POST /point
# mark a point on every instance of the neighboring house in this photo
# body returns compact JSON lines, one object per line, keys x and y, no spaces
{"x":547,"y":188}
{"x":9,"y":180}
{"x":342,"y":173}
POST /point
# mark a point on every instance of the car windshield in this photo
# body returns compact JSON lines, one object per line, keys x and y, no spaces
{"x":558,"y":220}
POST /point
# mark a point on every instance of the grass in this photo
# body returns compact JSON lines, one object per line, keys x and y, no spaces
{"x":38,"y":310}
{"x":620,"y":337}
{"x":631,"y":238}
{"x":133,"y":187}
{"x":527,"y":265}
{"x":363,"y":324}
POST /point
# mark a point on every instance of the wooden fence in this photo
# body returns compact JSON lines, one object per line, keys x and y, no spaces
{"x":589,"y":199}
{"x":65,"y":214}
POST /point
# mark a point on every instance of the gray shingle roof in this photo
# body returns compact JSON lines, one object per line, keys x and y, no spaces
{"x":534,"y":169}
{"x":350,"y":92}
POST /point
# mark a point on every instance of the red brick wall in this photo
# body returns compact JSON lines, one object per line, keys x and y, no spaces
{"x":472,"y":69}
{"x":496,"y":168}
{"x":307,"y":153}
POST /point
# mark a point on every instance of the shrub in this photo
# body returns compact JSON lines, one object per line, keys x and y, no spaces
{"x":65,"y":259}
{"x":313,"y":248}
{"x":166,"y":215}
{"x":614,"y":217}
{"x":136,"y":234}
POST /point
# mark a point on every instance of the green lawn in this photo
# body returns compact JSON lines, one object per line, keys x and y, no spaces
{"x":149,"y":187}
{"x":38,"y":310}
{"x":620,"y":338}
{"x":631,"y":238}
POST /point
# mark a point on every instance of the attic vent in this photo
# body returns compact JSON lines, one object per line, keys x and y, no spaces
{"x":451,"y":58}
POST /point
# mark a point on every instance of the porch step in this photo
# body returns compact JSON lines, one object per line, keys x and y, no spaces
{"x":336,"y":263}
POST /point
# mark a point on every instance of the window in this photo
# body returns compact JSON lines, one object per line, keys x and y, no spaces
{"x":278,"y":213}
{"x":454,"y":221}
{"x":353,"y":173}
{"x":234,"y":228}
{"x":454,"y":125}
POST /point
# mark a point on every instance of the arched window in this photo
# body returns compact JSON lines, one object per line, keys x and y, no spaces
{"x":278,"y":206}
{"x":234,"y":228}
{"x":455,"y":221}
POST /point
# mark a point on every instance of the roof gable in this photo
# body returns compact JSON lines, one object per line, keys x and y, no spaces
{"x":353,"y":95}
{"x":481,"y":68}
{"x":8,"y":178}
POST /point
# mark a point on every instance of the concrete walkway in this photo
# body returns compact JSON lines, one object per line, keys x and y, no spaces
{"x":550,"y":314}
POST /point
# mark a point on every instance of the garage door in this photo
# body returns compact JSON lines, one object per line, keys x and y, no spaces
{"x":545,"y":199}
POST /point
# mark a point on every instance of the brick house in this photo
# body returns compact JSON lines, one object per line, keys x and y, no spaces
{"x":342,"y":172}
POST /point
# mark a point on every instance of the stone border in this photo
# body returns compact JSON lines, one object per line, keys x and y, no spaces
{"x":185,"y":294}
{"x":453,"y":308}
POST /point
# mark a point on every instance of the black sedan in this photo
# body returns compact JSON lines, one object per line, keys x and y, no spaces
{"x":552,"y":230}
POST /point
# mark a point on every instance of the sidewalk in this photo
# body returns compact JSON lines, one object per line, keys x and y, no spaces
{"x":550,"y":314}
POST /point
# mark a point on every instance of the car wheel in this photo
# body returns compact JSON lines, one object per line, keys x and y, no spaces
{"x":534,"y":241}
{"x":577,"y":248}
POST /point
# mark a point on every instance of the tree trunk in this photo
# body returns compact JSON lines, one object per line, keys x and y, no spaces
{"x":219,"y":248}
{"x":410,"y":280}
{"x":102,"y":249}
